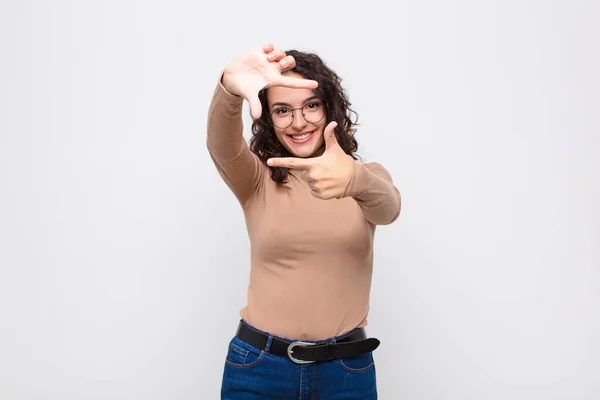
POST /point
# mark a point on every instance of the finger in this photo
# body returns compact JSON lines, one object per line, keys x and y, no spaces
{"x":329,"y":133}
{"x":297,"y":83}
{"x":290,"y":162}
{"x":267,"y":48}
{"x":288,"y":62}
{"x":277,"y":55}
{"x":320,"y":194}
{"x":255,"y":106}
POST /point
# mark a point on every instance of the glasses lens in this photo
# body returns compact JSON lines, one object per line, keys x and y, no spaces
{"x":282,"y":117}
{"x":313,"y":111}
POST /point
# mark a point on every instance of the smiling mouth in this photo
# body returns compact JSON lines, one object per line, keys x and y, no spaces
{"x":302,"y":137}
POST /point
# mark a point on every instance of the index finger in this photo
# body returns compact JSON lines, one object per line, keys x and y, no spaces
{"x":296,"y":83}
{"x":289,"y":162}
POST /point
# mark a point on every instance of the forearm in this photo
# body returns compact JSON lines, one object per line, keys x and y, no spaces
{"x":237,"y":165}
{"x":372,"y":188}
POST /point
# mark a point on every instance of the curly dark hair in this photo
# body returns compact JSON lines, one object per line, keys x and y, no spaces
{"x":265,"y":144}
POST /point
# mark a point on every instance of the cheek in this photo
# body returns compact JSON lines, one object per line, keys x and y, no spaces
{"x":320,"y":141}
{"x":321,"y":132}
{"x":280,"y":137}
{"x":279,"y":134}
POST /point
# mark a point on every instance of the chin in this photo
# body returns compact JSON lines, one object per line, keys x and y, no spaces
{"x":303,"y":153}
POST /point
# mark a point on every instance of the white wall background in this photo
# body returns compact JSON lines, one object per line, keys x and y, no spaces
{"x":124,"y":258}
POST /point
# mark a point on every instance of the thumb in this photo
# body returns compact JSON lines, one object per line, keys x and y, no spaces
{"x":329,"y":134}
{"x":255,"y":106}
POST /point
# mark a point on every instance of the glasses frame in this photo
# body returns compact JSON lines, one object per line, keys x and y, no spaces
{"x":294,"y":114}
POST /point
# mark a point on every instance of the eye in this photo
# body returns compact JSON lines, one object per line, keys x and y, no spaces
{"x":313,"y":105}
{"x":281,"y":111}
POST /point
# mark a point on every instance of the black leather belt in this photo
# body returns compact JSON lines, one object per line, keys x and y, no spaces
{"x":301,"y":352}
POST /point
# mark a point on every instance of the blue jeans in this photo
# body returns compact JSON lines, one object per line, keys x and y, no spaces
{"x":252,"y":373}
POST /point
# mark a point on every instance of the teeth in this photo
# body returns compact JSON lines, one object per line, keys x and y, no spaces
{"x":301,"y":137}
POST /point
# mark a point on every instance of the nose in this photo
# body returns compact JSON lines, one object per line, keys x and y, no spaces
{"x":299,"y":122}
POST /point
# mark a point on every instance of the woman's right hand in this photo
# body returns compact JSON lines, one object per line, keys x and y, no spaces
{"x":254,"y":70}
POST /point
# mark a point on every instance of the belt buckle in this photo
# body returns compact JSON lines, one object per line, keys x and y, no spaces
{"x":290,"y":350}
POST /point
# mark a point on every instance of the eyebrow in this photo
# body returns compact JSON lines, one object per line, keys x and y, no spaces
{"x":279,"y":103}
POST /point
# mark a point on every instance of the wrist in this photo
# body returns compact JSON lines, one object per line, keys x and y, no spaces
{"x":226,"y":81}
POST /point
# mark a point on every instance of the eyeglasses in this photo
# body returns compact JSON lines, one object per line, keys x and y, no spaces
{"x":312,"y":112}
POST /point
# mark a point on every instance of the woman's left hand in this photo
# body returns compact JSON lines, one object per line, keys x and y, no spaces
{"x":327,"y":175}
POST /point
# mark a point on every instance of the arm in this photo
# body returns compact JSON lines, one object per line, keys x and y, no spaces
{"x":244,"y":78}
{"x":238,"y":166}
{"x":335,"y":174}
{"x":372,"y":187}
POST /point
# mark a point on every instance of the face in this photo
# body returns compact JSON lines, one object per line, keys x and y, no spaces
{"x":301,"y":138}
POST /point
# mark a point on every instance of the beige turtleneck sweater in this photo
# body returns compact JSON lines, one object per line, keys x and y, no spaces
{"x":311,"y":259}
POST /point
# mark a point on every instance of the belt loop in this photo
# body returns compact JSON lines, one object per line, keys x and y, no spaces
{"x":268,"y":346}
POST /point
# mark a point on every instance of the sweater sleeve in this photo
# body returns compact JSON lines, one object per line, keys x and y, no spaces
{"x":238,"y":166}
{"x":372,"y":187}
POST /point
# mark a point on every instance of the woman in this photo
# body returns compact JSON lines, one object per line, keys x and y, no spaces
{"x":311,"y":209}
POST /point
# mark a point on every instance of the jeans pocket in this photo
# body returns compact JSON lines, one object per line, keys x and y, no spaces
{"x":242,"y":355}
{"x":361,"y":363}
